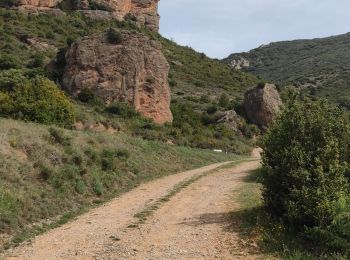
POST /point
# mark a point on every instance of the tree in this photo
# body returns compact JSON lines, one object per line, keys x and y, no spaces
{"x":306,"y":178}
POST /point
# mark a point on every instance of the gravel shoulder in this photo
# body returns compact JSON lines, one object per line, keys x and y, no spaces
{"x":190,"y":224}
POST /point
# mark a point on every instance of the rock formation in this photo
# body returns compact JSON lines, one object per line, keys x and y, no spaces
{"x":238,"y":62}
{"x":133,"y":71}
{"x":144,"y":12}
{"x":39,"y":3}
{"x":231,"y":119}
{"x":262,"y":104}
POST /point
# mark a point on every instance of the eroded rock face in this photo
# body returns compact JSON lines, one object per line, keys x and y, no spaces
{"x":239,"y":63}
{"x":134,"y":71}
{"x":40,"y":3}
{"x":262,"y":104}
{"x":231,"y":119}
{"x":145,"y":12}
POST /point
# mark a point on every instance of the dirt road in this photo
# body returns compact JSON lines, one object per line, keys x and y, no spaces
{"x":183,"y":216}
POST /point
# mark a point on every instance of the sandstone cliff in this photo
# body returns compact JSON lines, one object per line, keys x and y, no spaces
{"x":133,"y":71}
{"x":145,"y":12}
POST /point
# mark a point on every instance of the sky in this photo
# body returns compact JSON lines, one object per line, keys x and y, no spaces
{"x":221,"y":27}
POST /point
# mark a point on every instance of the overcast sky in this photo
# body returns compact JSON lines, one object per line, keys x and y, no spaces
{"x":221,"y":27}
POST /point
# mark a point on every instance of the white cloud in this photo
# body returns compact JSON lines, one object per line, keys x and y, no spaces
{"x":220,"y":27}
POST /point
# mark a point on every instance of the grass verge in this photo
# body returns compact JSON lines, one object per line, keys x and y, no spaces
{"x":261,"y":230}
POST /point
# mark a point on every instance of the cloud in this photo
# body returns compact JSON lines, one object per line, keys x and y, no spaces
{"x":220,"y":27}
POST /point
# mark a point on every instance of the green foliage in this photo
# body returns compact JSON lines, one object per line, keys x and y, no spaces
{"x":9,"y":3}
{"x":88,"y":96}
{"x":306,"y":180}
{"x":224,"y":100}
{"x":121,"y":109}
{"x":8,"y":62}
{"x":114,"y":36}
{"x":98,"y":188}
{"x":38,"y":99}
{"x":212,"y":109}
{"x":195,"y":74}
{"x":97,"y":5}
{"x":57,"y":31}
{"x":8,"y":209}
{"x":316,"y":66}
{"x":37,"y":61}
{"x":58,"y":136}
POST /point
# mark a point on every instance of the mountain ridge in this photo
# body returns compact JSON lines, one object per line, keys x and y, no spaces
{"x":318,"y":66}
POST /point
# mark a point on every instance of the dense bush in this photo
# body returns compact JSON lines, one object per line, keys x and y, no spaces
{"x":123,"y":110}
{"x":8,"y":3}
{"x":96,"y":5}
{"x":114,"y":36}
{"x":8,"y":62}
{"x":37,"y":99}
{"x":89,"y":97}
{"x":307,"y":171}
{"x":224,"y":101}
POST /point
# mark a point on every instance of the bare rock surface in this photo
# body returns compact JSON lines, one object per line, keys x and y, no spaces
{"x":194,"y":224}
{"x":262,"y":104}
{"x":144,"y":12}
{"x":231,"y":119}
{"x":133,"y":71}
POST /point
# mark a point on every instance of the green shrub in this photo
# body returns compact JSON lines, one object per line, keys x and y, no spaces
{"x":37,"y":61}
{"x":208,"y":119}
{"x":8,"y":3}
{"x":98,"y":187}
{"x":212,"y":109}
{"x":57,"y":136}
{"x":306,"y":181}
{"x":88,"y":96}
{"x":224,"y":101}
{"x":114,"y":36}
{"x":9,"y":62}
{"x":80,"y":187}
{"x":45,"y":172}
{"x":38,"y":99}
{"x":261,"y":84}
{"x":96,"y":5}
{"x":123,"y":110}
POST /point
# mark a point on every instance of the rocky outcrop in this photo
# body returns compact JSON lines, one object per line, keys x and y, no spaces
{"x":238,"y":63}
{"x":231,"y":119}
{"x":133,"y":71}
{"x":39,"y":3}
{"x":143,"y":12}
{"x":262,"y":104}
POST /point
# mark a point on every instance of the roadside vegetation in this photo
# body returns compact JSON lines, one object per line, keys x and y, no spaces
{"x":48,"y":171}
{"x":303,"y":210}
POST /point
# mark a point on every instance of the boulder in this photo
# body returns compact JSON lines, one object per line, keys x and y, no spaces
{"x":134,"y":71}
{"x":231,"y":119}
{"x":262,"y":104}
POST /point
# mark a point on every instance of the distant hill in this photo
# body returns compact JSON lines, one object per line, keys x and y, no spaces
{"x":321,"y":67}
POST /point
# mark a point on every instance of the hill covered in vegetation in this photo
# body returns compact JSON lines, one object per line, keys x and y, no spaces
{"x":34,"y":45}
{"x":320,"y":67}
{"x":70,"y":152}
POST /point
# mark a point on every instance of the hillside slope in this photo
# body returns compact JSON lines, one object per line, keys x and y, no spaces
{"x":48,"y":172}
{"x":105,"y":149}
{"x":320,"y":66}
{"x":30,"y":41}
